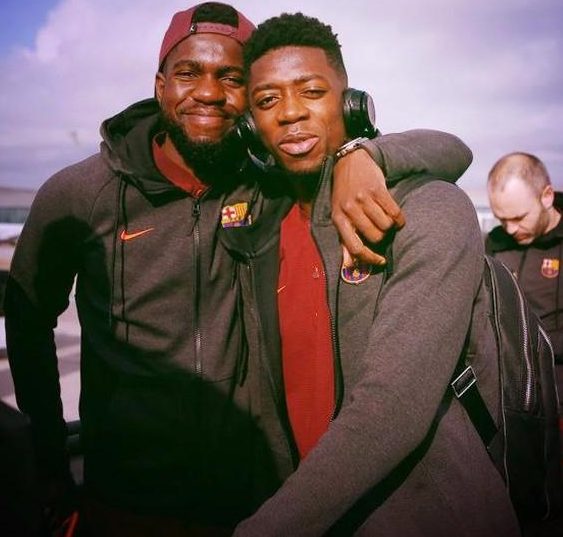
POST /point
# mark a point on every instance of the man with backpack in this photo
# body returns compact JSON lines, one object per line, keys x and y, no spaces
{"x":529,"y":242}
{"x":356,"y":364}
{"x":530,"y":238}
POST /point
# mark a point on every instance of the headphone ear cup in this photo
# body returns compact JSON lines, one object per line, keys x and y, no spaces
{"x":359,"y":114}
{"x":246,"y":129}
{"x":248,"y":135}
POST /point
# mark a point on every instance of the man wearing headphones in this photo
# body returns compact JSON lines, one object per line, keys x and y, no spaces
{"x":170,"y":443}
{"x":356,"y":363}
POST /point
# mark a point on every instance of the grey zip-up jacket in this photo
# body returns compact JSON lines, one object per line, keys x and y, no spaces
{"x":166,"y":398}
{"x":385,"y":466}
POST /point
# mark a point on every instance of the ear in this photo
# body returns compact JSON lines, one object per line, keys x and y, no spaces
{"x":547,"y":197}
{"x":159,"y":83}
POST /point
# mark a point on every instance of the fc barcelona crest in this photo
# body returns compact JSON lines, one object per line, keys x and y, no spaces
{"x":355,"y":274}
{"x":235,"y":215}
{"x":550,"y":268}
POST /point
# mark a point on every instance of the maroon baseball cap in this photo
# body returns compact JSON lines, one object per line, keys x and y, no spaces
{"x":181,"y":26}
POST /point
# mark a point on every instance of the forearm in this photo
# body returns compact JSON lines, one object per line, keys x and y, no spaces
{"x":41,"y":277}
{"x":33,"y":364}
{"x":362,"y":208}
{"x":420,"y":151}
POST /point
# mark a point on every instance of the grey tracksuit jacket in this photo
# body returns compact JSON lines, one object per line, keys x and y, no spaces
{"x":385,"y":467}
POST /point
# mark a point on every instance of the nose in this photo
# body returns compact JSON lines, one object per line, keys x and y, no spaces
{"x":209,"y":90}
{"x":292,"y":109}
{"x":511,"y":227}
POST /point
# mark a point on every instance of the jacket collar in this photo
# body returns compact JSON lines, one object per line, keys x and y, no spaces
{"x":271,"y":205}
{"x":499,"y":240}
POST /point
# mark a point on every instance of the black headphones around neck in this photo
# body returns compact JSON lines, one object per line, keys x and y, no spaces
{"x":359,"y":121}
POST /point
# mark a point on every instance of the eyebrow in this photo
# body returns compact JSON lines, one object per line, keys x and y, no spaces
{"x":226,"y":69}
{"x":300,"y":80}
{"x":518,"y":216}
{"x":198,"y":66}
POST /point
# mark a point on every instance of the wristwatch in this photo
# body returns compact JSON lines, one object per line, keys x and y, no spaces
{"x":350,"y":146}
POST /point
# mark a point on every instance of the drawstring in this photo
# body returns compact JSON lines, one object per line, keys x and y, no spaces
{"x":557,"y":290}
{"x":123,"y":212}
{"x":119,"y":210}
{"x":113,"y":254}
{"x":242,"y":362}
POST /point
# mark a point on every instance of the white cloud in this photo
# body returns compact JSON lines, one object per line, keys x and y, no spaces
{"x":490,"y":72}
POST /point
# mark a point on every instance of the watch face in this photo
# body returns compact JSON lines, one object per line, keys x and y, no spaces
{"x":370,"y":110}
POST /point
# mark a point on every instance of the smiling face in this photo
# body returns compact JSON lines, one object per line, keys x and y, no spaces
{"x":295,"y":96}
{"x":201,"y":87}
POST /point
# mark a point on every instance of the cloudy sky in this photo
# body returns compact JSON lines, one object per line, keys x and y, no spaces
{"x":489,"y":71}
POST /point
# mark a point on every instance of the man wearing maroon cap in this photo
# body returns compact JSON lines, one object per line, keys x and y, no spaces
{"x":170,"y":443}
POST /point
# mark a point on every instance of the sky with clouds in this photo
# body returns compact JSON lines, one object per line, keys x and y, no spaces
{"x":489,"y":71}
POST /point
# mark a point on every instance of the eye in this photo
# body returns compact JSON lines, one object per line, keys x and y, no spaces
{"x":234,"y":81}
{"x":314,"y":93}
{"x":186,"y":73}
{"x":266,"y":102}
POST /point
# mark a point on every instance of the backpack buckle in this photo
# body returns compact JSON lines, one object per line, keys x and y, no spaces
{"x":463,"y":381}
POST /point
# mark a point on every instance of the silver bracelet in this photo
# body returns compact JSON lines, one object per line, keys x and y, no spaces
{"x":350,"y":146}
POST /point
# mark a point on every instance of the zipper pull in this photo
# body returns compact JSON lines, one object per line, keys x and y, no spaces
{"x":196,"y":212}
{"x":196,"y":209}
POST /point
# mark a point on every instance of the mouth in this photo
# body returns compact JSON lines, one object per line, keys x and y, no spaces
{"x":298,"y":145}
{"x":206,"y":116}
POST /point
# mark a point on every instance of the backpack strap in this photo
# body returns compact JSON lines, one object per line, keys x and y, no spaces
{"x":465,"y":389}
{"x":463,"y":382}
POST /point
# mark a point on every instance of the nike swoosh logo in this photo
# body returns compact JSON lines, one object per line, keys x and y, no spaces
{"x":128,"y":236}
{"x":280,"y":289}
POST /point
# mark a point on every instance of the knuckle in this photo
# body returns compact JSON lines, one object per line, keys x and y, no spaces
{"x":348,"y":206}
{"x":375,"y":236}
{"x":394,"y":212}
{"x":385,"y":224}
{"x":339,"y":218}
{"x":360,"y":196}
{"x":356,"y":249}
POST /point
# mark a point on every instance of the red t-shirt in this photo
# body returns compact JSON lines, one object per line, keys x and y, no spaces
{"x":305,"y":330}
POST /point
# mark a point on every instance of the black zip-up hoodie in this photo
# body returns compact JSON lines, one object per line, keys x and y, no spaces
{"x":533,"y":265}
{"x":164,"y":403}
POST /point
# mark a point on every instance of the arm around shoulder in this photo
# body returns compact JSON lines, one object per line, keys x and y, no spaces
{"x":420,"y":151}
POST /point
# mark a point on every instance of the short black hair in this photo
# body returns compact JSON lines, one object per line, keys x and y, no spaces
{"x":297,"y":30}
{"x":216,"y":12}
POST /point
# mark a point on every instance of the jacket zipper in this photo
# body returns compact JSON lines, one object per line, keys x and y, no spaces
{"x":544,"y":338}
{"x":279,"y":406}
{"x":494,"y":288}
{"x":529,"y":377}
{"x":196,"y":212}
{"x":334,"y":340}
{"x":335,"y":348}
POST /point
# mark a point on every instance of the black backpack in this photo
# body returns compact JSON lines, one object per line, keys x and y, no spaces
{"x":525,"y":448}
{"x":525,"y":445}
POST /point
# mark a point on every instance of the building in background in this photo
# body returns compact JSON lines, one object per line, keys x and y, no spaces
{"x":14,"y":208}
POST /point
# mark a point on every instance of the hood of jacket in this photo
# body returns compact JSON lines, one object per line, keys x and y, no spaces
{"x":499,"y":240}
{"x":127,"y":147}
